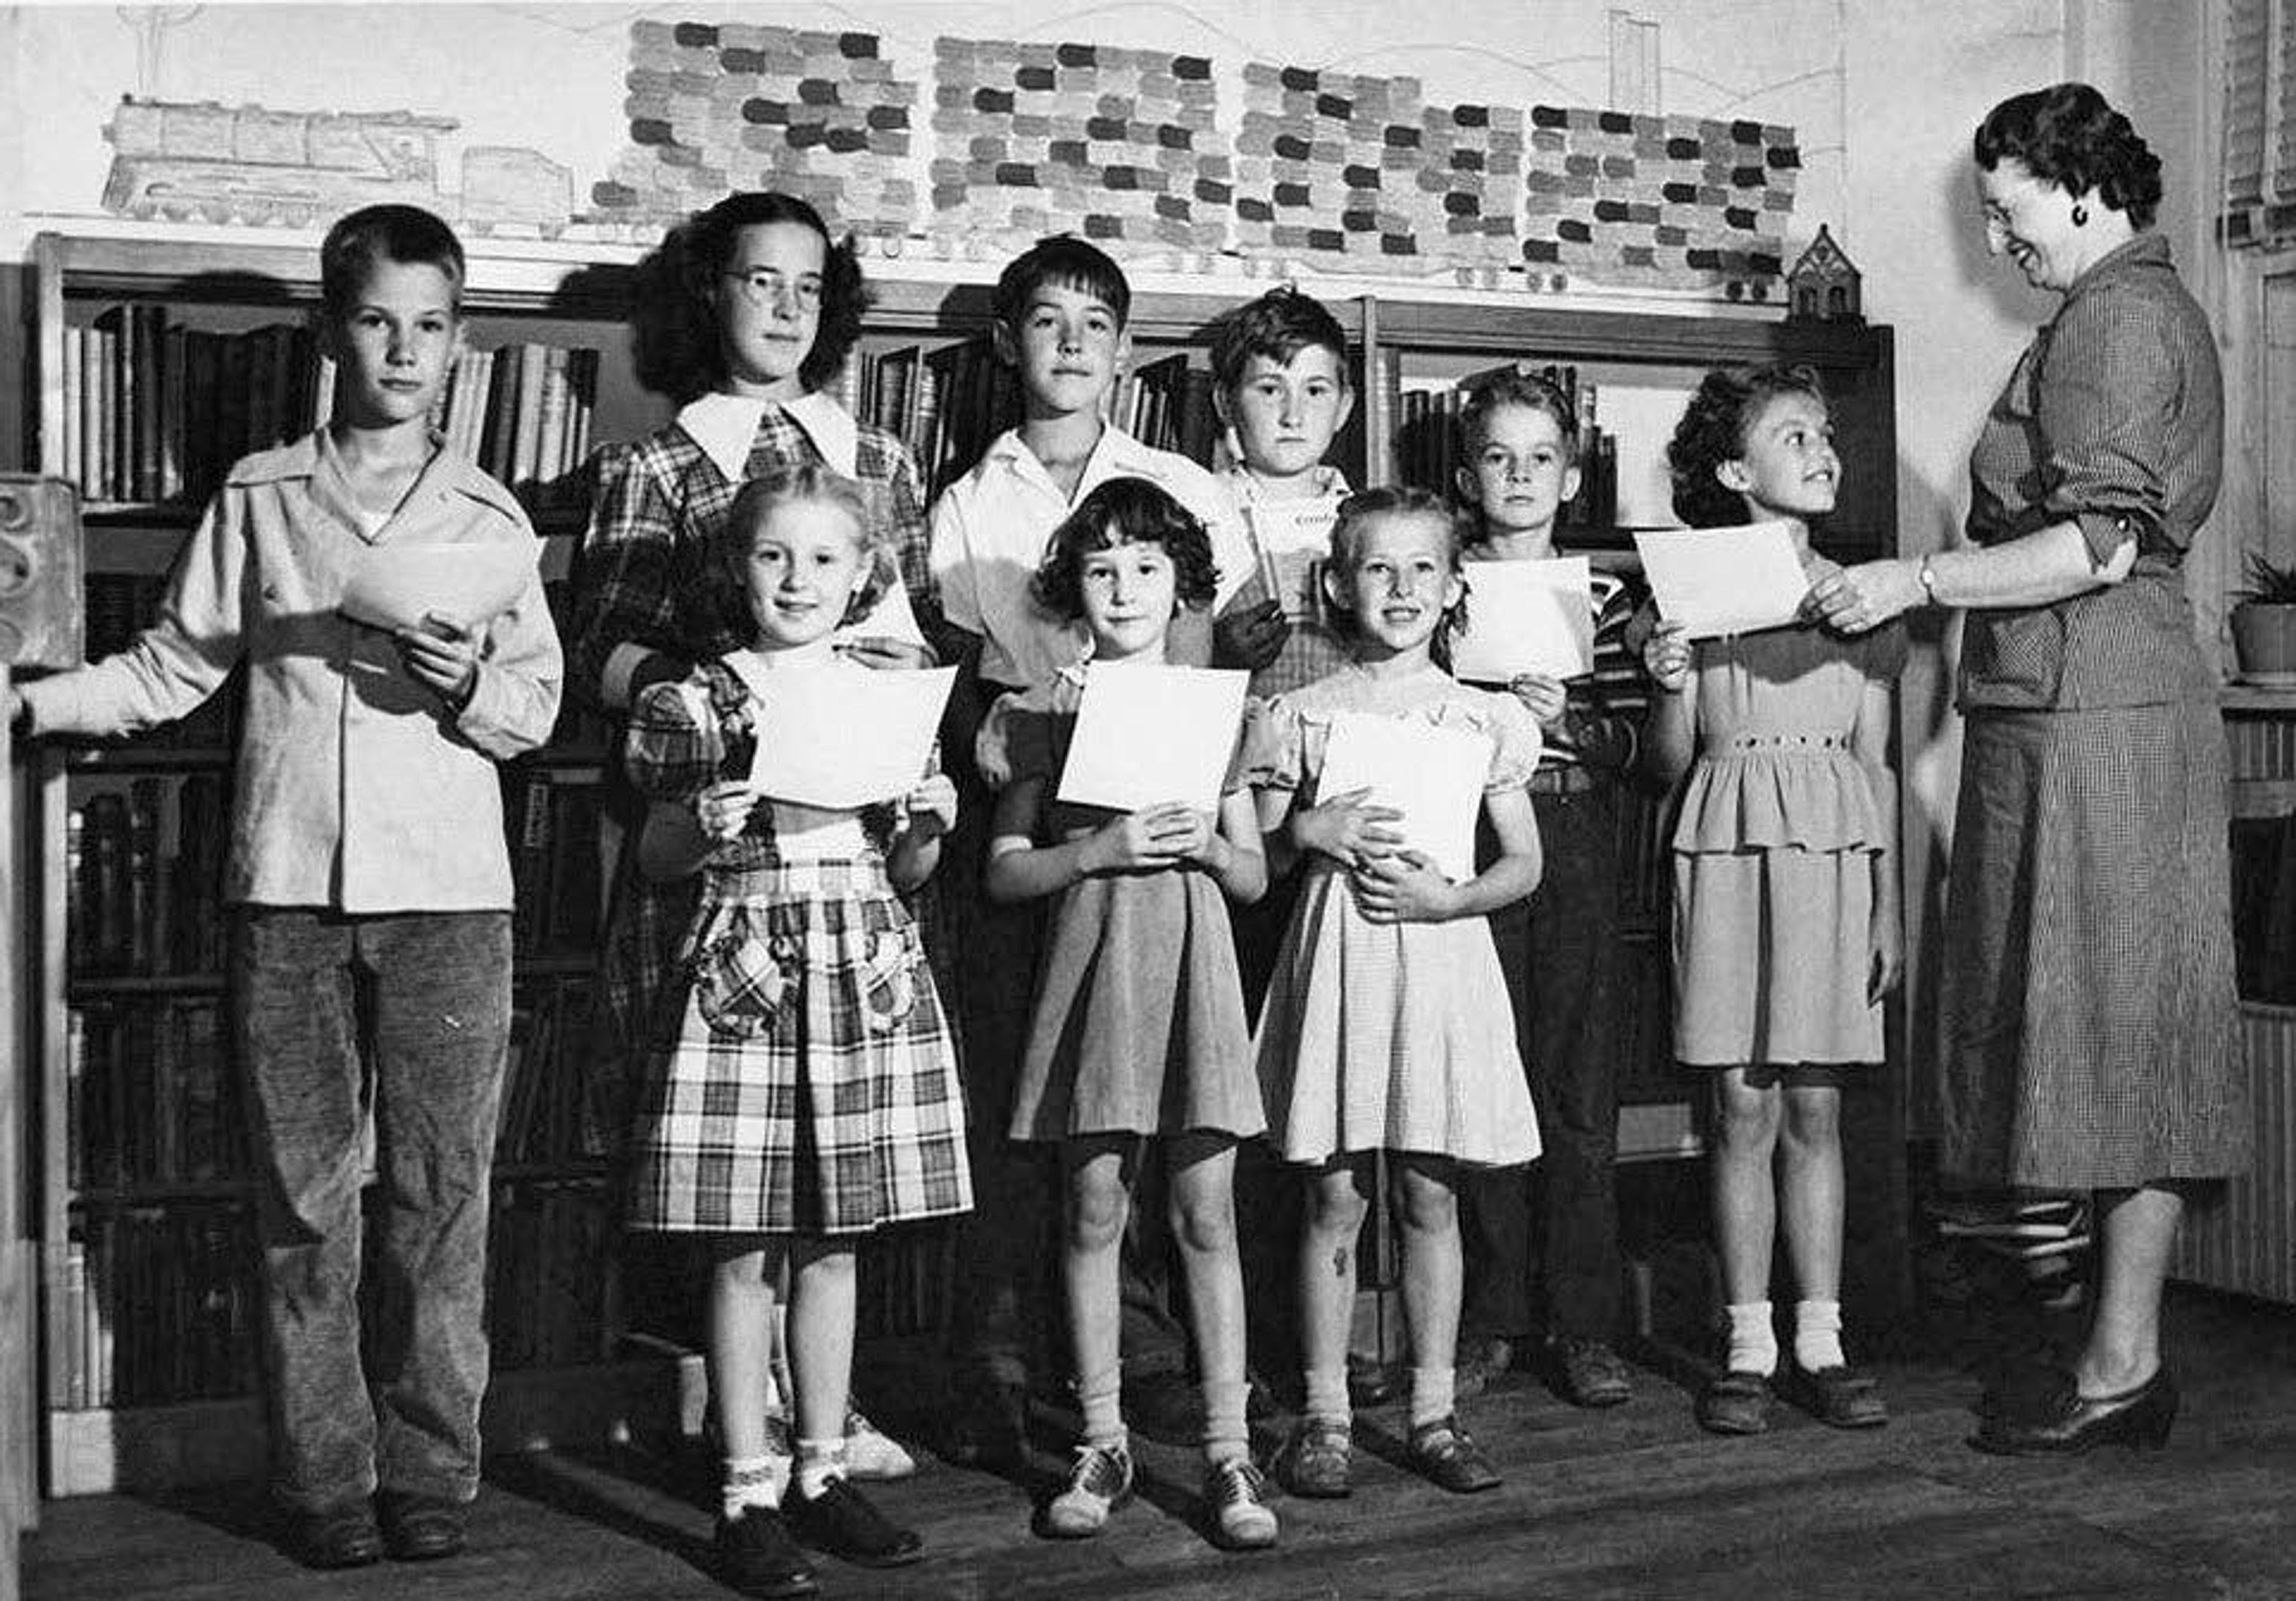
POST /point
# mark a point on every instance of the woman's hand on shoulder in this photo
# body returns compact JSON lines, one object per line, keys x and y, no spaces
{"x":930,"y":809}
{"x":1541,"y":695}
{"x":1403,"y":887}
{"x":1666,"y":657}
{"x":722,"y":811}
{"x":1348,"y":828}
{"x":1857,"y":600}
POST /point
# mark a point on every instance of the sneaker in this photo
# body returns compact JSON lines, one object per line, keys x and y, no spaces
{"x":1736,"y":1403}
{"x":1589,"y":1373}
{"x":756,"y":1557}
{"x":871,"y":1454}
{"x":1481,"y":1359}
{"x":1099,"y":1481}
{"x":1315,"y":1460}
{"x":841,"y":1521}
{"x":1242,"y":1519}
{"x":1450,"y":1456}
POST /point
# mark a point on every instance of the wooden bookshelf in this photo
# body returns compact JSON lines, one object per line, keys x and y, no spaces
{"x":529,"y":299}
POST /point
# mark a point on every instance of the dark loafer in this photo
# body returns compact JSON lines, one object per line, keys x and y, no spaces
{"x":842,"y":1522}
{"x":1590,"y":1374}
{"x":342,"y":1536}
{"x":1842,"y":1397}
{"x":1449,"y":1455}
{"x":2073,"y":1423}
{"x":421,"y":1528}
{"x":1315,"y":1461}
{"x":1736,"y":1403}
{"x":756,"y":1557}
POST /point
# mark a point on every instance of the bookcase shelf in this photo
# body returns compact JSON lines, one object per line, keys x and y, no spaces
{"x":555,"y":1188}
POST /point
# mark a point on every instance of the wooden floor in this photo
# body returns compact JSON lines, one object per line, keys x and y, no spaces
{"x":1634,"y":1505}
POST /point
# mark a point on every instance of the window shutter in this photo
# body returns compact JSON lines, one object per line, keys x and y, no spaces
{"x":2259,"y":123}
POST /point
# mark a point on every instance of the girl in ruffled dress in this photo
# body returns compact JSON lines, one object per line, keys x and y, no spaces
{"x":1786,"y":892}
{"x":1387,"y":1027}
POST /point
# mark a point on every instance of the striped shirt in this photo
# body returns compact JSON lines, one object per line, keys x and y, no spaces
{"x":2113,"y":419}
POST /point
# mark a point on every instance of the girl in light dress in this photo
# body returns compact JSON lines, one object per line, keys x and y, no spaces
{"x":801,"y":1089}
{"x":1387,"y":1027}
{"x":1786,"y":892}
{"x":1137,"y":1030}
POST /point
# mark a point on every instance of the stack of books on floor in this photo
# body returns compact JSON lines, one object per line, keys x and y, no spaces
{"x":2048,"y":1236}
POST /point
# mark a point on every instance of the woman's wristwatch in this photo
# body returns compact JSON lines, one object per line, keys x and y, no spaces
{"x":1928,"y":577}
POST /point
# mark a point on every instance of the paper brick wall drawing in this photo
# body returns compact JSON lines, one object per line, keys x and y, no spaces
{"x":1675,"y":201}
{"x":1328,"y":165}
{"x":714,"y":108}
{"x":1121,"y":146}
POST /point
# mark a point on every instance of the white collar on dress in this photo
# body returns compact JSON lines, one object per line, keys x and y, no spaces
{"x":726,"y":426}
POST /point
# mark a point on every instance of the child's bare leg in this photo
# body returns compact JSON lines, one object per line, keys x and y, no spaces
{"x":1338,"y":1197}
{"x":821,"y":1315}
{"x":741,"y":1279}
{"x":1810,"y":1185}
{"x":1099,"y":1202}
{"x":1746,"y":1117}
{"x":1204,"y":1221}
{"x":1428,"y":1209}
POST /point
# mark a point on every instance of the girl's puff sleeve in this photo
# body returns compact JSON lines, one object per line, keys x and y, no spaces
{"x":1272,"y":751}
{"x":1014,"y":741}
{"x":1516,"y":744}
{"x":675,"y":745}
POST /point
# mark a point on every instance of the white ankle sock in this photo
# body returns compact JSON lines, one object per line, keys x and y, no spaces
{"x":753,"y":1482}
{"x":818,"y":1461}
{"x":1817,"y":1334}
{"x":1754,"y":1341}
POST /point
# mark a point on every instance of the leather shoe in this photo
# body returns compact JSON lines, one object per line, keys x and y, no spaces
{"x":2071,"y":1423}
{"x":756,"y":1557}
{"x":421,"y":1528}
{"x":842,"y":1522}
{"x":342,"y":1536}
{"x":1448,"y":1455}
{"x":1840,"y":1397}
{"x":1738,"y":1403}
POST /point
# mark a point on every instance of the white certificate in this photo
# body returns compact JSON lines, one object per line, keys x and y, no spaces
{"x":1723,"y":580}
{"x":1148,"y":735}
{"x":397,"y":586}
{"x":1433,"y":775}
{"x":892,"y":618}
{"x":841,"y":736}
{"x":1291,"y":540}
{"x":1526,"y":617}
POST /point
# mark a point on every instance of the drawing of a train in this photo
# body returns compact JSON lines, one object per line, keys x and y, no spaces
{"x":204,"y":161}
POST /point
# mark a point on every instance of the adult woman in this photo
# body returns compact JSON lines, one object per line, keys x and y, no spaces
{"x":2090,"y":1027}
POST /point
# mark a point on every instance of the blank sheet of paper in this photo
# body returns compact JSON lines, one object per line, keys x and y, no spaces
{"x":1434,"y":777}
{"x":1526,"y":617}
{"x":1723,"y":580}
{"x":836,"y":735}
{"x":1146,"y":735}
{"x":396,"y":586}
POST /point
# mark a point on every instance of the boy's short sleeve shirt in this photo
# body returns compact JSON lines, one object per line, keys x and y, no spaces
{"x":990,"y":529}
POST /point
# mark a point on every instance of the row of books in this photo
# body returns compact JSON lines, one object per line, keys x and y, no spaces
{"x":1427,"y":444}
{"x":557,"y":876}
{"x":150,"y":1097}
{"x":553,"y":1036}
{"x":156,"y":411}
{"x":158,"y":1304}
{"x":2026,"y":1227}
{"x":143,"y":877}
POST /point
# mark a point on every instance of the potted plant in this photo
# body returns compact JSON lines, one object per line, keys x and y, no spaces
{"x":2264,"y":621}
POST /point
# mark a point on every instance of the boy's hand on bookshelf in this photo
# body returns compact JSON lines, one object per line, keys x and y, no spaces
{"x":1404,"y":887}
{"x":444,"y":654}
{"x":1666,"y":657}
{"x":1155,"y":836}
{"x":931,"y":808}
{"x":1348,"y":828}
{"x":722,"y":811}
{"x":877,"y":650}
{"x":1542,"y":696}
{"x":1249,"y":636}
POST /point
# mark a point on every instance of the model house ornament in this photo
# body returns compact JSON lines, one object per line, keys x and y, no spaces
{"x":1822,"y":286}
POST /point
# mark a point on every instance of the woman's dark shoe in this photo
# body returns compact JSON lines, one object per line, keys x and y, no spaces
{"x":756,"y":1557}
{"x":419,"y":1528}
{"x":1450,"y":1456}
{"x":2073,"y":1423}
{"x":342,"y":1536}
{"x":842,"y":1522}
{"x":1842,"y":1397}
{"x":1736,"y":1403}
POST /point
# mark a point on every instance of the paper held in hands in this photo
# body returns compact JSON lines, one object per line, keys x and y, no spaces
{"x":838,"y":735}
{"x":1526,"y":617}
{"x":1146,"y":735}
{"x":396,"y":586}
{"x":1723,"y":580}
{"x":891,"y":618}
{"x":1434,"y":777}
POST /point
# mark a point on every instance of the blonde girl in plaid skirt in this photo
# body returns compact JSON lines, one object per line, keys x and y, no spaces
{"x":802,"y":1089}
{"x":1137,"y":1030}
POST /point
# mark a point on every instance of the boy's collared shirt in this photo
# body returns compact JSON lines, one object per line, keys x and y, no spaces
{"x":356,"y":787}
{"x":1290,"y":541}
{"x":990,"y":528}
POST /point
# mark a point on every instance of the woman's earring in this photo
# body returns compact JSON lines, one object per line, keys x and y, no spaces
{"x":2080,"y":214}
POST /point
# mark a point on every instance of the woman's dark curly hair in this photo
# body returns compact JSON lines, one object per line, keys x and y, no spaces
{"x":1124,"y":511}
{"x":674,"y":322}
{"x":717,"y":570}
{"x":2069,"y":134}
{"x":1713,"y":431}
{"x":1356,"y":513}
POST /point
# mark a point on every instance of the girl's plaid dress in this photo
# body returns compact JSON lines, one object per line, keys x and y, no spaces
{"x":801,"y":1077}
